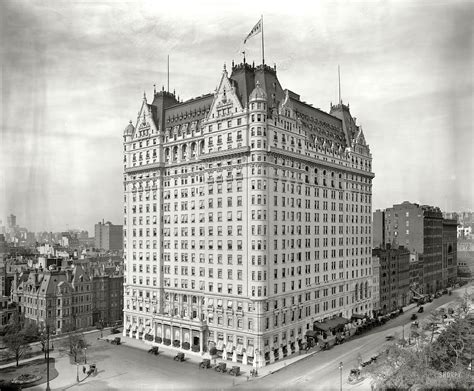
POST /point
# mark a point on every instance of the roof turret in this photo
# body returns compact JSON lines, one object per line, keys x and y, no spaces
{"x":258,"y":93}
{"x":128,"y":131}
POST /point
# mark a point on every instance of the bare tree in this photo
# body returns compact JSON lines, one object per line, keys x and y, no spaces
{"x":75,"y":344}
{"x":16,"y":344}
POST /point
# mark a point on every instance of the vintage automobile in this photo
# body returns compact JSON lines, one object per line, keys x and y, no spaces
{"x":116,"y":341}
{"x":114,"y":330}
{"x":420,"y":310}
{"x":92,"y":370}
{"x":235,"y":371}
{"x":205,"y":364}
{"x":153,"y":350}
{"x":354,"y":375}
{"x":221,"y":367}
{"x":389,"y":337}
{"x":179,"y":357}
{"x":414,"y":317}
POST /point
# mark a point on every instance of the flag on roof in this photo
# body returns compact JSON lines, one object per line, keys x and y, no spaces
{"x":256,"y":29}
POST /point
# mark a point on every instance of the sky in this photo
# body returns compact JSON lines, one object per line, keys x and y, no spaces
{"x":73,"y":74}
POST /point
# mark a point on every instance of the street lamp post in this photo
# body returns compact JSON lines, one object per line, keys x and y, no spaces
{"x":77,"y":372}
{"x":85,"y":355}
{"x":47,"y":358}
{"x":340,"y":373}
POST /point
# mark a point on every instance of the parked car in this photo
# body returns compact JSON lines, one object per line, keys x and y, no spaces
{"x":153,"y":350}
{"x":116,"y":341}
{"x":114,"y":331}
{"x":420,"y":310}
{"x":414,"y":317}
{"x":235,"y":371}
{"x":179,"y":357}
{"x":390,"y":337}
{"x":205,"y":364}
{"x":221,"y":367}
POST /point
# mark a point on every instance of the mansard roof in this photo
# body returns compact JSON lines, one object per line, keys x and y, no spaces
{"x":336,"y":129}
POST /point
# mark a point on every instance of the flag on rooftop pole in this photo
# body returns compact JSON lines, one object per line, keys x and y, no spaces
{"x":258,"y":28}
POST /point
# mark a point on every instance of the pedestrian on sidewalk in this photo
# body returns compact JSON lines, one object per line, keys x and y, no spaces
{"x":83,"y":369}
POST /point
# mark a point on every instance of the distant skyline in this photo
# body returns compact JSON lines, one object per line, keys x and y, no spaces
{"x":74,"y":73}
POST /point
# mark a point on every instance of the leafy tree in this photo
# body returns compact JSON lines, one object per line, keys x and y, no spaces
{"x":16,"y":344}
{"x":453,"y":346}
{"x":431,"y":322}
{"x":428,"y":366}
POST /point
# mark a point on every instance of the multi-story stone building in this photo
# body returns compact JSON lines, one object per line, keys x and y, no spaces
{"x":107,"y":295}
{"x":247,"y":218}
{"x":60,"y":298}
{"x":376,"y":284}
{"x":422,"y":230}
{"x":394,"y":277}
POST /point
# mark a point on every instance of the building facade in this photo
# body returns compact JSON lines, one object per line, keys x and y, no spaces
{"x":108,"y":236}
{"x":422,"y":230}
{"x":247,"y":218}
{"x":376,"y":284}
{"x":60,"y":298}
{"x":107,"y":296}
{"x":394,"y":277}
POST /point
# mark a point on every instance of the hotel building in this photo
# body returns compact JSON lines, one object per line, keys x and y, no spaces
{"x":247,"y":218}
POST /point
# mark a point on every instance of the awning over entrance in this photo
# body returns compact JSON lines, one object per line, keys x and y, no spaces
{"x":311,"y":333}
{"x":357,"y":316}
{"x":331,"y":324}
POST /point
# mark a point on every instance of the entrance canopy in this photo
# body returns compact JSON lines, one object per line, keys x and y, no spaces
{"x":331,"y":324}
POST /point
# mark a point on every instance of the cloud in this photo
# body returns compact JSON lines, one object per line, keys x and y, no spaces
{"x":74,"y":74}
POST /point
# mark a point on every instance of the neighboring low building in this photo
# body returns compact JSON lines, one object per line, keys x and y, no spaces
{"x":107,"y":291}
{"x":376,"y":284}
{"x":394,"y":277}
{"x":416,"y":274}
{"x":75,"y":296}
{"x":61,"y":298}
{"x":422,"y":230}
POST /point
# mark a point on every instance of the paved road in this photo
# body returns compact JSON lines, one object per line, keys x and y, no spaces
{"x":321,"y":371}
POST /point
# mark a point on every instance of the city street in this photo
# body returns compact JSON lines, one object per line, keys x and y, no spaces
{"x":321,"y":370}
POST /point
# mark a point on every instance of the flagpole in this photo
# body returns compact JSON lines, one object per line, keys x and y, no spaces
{"x":339,"y":76}
{"x":263,"y":46}
{"x":168,"y":73}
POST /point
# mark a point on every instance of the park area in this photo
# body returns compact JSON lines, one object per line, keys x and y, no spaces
{"x":28,"y":374}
